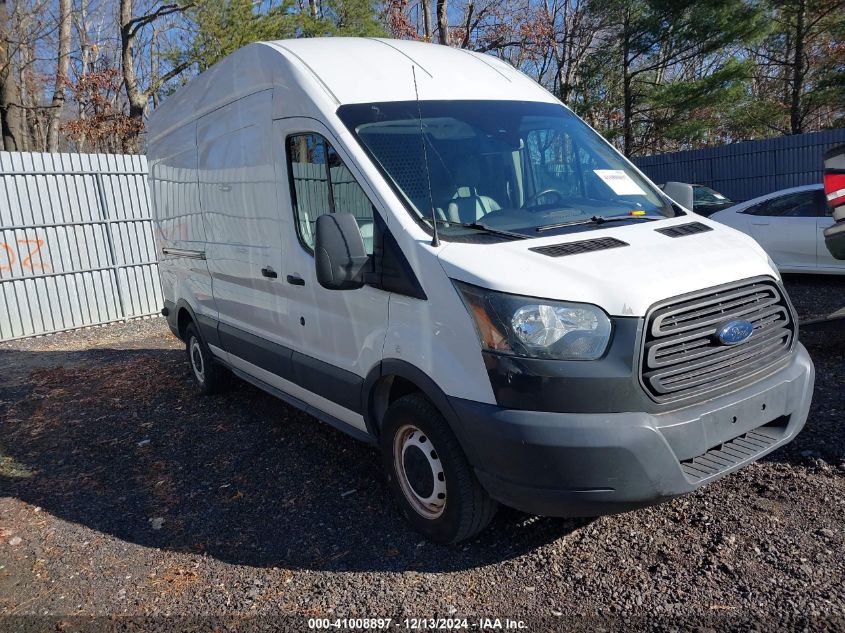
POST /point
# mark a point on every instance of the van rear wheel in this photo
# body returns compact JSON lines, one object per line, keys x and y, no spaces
{"x":428,"y":474}
{"x":208,"y":375}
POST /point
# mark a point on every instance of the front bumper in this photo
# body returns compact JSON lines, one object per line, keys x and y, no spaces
{"x":561,"y":464}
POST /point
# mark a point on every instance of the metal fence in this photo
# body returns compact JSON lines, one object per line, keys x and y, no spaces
{"x":76,"y":242}
{"x":746,"y":170}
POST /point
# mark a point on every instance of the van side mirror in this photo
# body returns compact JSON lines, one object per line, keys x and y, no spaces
{"x":339,"y":254}
{"x":680,"y":192}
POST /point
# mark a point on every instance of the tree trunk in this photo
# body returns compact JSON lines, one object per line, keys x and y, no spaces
{"x":137,"y":98}
{"x":796,"y":119}
{"x":154,"y":55}
{"x":426,"y":11}
{"x":312,"y":6}
{"x":32,"y":113}
{"x":85,"y":64}
{"x":63,"y":59}
{"x":468,"y":25}
{"x":11,"y":115}
{"x":627,"y":92}
{"x":442,"y":22}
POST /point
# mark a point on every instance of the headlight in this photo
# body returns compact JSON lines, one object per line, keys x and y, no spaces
{"x":537,"y":328}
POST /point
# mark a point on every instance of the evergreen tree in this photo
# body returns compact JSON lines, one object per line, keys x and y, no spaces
{"x":223,"y":26}
{"x":661,"y":60}
{"x":799,"y":76}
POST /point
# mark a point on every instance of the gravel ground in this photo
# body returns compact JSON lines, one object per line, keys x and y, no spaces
{"x":124,"y":493}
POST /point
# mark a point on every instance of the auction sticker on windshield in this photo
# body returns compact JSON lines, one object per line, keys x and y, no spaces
{"x":621,"y":183}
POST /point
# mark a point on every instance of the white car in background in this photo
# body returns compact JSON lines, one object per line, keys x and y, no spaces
{"x":789,"y":225}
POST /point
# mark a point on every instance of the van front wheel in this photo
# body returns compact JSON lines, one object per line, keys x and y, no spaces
{"x":429,"y":475}
{"x":208,"y":375}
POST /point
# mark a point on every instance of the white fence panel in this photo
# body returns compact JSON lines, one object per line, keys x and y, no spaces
{"x":76,"y":242}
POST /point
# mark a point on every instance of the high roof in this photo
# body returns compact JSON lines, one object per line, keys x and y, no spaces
{"x":320,"y":74}
{"x":363,"y":70}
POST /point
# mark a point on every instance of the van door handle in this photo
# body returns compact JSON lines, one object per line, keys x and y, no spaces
{"x":296,"y":280}
{"x":269,"y":272}
{"x":760,"y":223}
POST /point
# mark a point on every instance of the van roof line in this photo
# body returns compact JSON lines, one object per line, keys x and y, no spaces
{"x":481,"y":58}
{"x":403,"y":53}
{"x":278,"y":44}
{"x":331,"y":72}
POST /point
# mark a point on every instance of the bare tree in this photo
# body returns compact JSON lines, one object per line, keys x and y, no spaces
{"x":11,"y":114}
{"x":138,"y":96}
{"x":442,"y":22}
{"x":426,"y":12}
{"x":62,"y":63}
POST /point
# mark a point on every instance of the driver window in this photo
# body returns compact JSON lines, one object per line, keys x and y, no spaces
{"x":322,"y":183}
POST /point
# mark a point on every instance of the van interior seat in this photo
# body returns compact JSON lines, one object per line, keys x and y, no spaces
{"x":467,"y":205}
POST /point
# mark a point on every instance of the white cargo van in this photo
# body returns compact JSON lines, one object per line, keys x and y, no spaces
{"x":424,"y":248}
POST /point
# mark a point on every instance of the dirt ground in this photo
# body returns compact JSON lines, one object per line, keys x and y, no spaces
{"x":128,"y":500}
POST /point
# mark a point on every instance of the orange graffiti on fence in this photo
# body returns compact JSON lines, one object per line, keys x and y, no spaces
{"x":10,"y":255}
{"x":34,"y":248}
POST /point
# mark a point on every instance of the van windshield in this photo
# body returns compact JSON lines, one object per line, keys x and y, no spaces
{"x":511,"y":167}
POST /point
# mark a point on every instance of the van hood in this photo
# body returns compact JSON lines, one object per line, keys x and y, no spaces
{"x":624,"y":280}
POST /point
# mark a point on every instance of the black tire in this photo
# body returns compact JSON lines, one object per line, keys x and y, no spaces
{"x":208,"y":375}
{"x":414,"y":429}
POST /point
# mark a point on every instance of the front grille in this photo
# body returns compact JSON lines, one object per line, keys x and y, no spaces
{"x":682,"y":356}
{"x":740,"y":449}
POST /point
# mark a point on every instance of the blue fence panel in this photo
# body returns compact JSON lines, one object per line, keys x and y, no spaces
{"x":749,"y":169}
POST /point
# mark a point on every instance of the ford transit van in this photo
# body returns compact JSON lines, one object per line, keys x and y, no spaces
{"x":424,"y":248}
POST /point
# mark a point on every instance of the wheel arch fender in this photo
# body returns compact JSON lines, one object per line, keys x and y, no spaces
{"x":207,"y":326}
{"x":376,"y":392}
{"x":182,"y":312}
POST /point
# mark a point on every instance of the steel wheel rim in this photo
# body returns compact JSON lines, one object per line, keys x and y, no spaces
{"x":409,"y":445}
{"x":197,"y":362}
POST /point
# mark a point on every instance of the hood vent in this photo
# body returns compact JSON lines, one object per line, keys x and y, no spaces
{"x":576,"y":248}
{"x":681,"y":230}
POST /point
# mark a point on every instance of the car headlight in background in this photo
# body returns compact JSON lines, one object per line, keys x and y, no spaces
{"x":536,"y":328}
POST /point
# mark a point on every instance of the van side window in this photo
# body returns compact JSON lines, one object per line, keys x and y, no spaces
{"x":323,"y":184}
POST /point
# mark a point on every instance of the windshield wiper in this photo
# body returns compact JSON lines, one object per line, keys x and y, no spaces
{"x":478,"y":226}
{"x":596,"y":219}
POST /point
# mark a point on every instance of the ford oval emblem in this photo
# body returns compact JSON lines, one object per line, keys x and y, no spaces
{"x":734,"y":332}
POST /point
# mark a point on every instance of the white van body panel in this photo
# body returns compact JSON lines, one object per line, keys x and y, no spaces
{"x":237,"y":183}
{"x":622,"y":281}
{"x":178,"y":220}
{"x":344,"y":329}
{"x":437,"y":335}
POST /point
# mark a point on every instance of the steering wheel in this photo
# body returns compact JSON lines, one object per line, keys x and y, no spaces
{"x":533,"y":199}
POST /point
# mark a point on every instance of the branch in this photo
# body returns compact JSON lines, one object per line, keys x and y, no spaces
{"x":31,"y":107}
{"x":495,"y":45}
{"x":170,"y":74}
{"x":136,"y":24}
